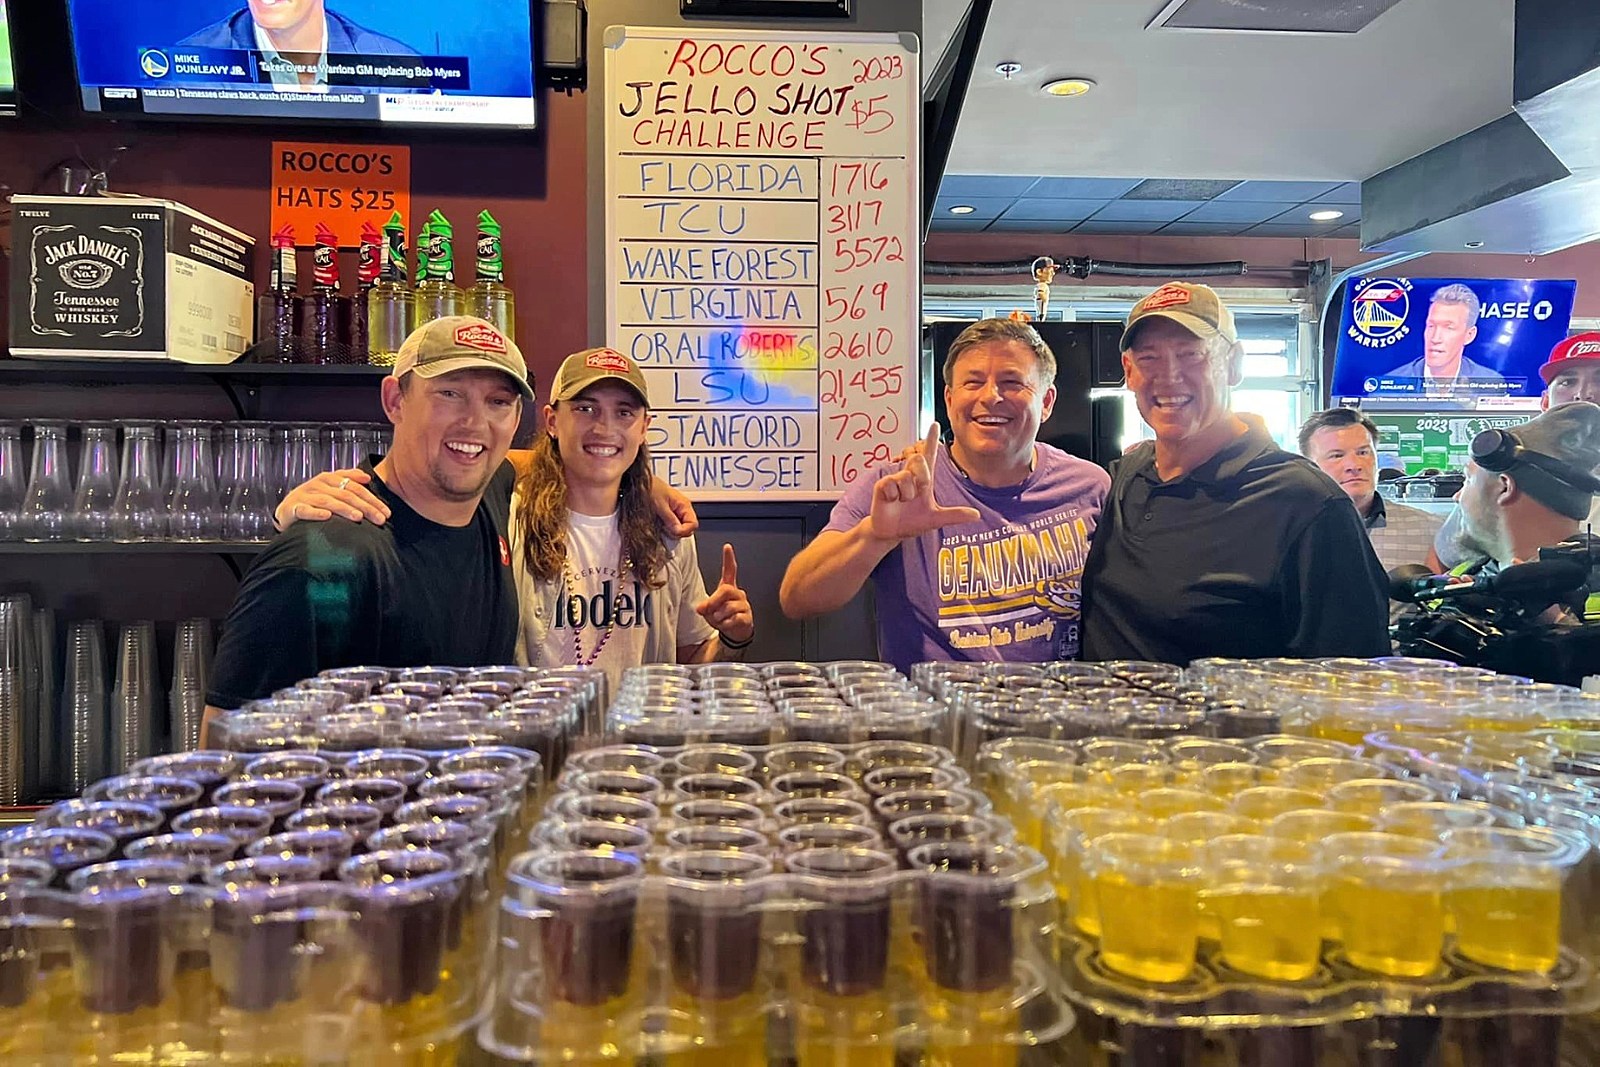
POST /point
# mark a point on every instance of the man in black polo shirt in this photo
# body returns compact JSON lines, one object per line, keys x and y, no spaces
{"x":431,"y":585}
{"x":1214,"y":541}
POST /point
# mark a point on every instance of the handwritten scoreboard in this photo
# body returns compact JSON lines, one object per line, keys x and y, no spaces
{"x":763,"y":259}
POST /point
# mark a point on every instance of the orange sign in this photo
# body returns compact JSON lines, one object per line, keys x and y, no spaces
{"x":341,"y":185}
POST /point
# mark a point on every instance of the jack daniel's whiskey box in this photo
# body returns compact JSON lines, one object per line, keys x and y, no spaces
{"x":125,"y":278}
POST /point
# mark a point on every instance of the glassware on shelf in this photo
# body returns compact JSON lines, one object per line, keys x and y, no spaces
{"x":13,"y":486}
{"x":247,"y":510}
{"x":192,"y":513}
{"x":97,"y":483}
{"x":305,"y":457}
{"x":139,"y":511}
{"x":48,"y":503}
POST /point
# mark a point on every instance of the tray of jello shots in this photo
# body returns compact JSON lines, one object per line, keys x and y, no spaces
{"x":286,"y":907}
{"x":798,"y":902}
{"x":1289,"y":900}
{"x":842,"y":702}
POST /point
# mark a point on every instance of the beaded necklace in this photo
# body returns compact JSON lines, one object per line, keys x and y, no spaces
{"x":570,"y":582}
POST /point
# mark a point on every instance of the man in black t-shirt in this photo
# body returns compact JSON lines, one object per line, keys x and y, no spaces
{"x":431,"y":585}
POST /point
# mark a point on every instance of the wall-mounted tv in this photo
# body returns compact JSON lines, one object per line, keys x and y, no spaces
{"x":1448,"y":338}
{"x":378,"y":62}
{"x":8,"y":67}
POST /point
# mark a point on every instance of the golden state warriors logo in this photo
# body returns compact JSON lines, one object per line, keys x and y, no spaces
{"x":1379,"y":308}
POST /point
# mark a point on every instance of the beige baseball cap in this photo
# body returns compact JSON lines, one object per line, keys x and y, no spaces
{"x":1197,"y":308}
{"x":583,"y":369}
{"x":461,"y":342}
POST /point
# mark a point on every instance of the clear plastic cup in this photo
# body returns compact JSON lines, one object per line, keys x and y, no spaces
{"x":385,"y":794}
{"x":198,"y":850}
{"x":1148,"y":893}
{"x":359,"y":821}
{"x":1266,"y":802}
{"x":1228,"y":780}
{"x":718,"y":813}
{"x":845,"y":924}
{"x":828,"y":835}
{"x":714,"y":759}
{"x":1198,"y":827}
{"x":592,"y":836}
{"x":279,"y":799}
{"x":1321,"y":774}
{"x":822,"y":809}
{"x":1370,"y":796}
{"x":714,"y":922}
{"x":802,"y":756}
{"x":718,"y":786}
{"x":327,"y":847}
{"x":799,"y":785}
{"x":585,"y":936}
{"x":243,"y":824}
{"x":1431,"y":819}
{"x":1265,"y":894}
{"x":1504,"y":892}
{"x":1074,"y":837}
{"x":896,"y":806}
{"x":1161,"y":804}
{"x":1311,"y":826}
{"x":966,"y":894}
{"x":407,"y":768}
{"x":917,"y":830}
{"x":1384,"y":894}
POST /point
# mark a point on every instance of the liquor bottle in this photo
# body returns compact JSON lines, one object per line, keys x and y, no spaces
{"x":367,"y":264}
{"x":391,"y":303}
{"x":325,"y":315}
{"x":489,"y":297}
{"x":437,"y":295}
{"x":277,"y":333}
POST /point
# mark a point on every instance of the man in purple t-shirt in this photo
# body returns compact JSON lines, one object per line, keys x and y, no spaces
{"x":976,"y":551}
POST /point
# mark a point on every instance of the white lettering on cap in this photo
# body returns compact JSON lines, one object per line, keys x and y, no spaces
{"x":482,"y":338}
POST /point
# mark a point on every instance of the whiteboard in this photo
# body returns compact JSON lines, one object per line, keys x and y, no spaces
{"x":763,"y":257}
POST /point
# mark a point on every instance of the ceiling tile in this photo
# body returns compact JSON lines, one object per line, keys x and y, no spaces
{"x":987,"y":207}
{"x":958,"y":224}
{"x":1129,"y":227}
{"x":1031,"y":208}
{"x":1185,"y":228}
{"x":1300,"y":215}
{"x":1146,"y":210}
{"x":1178,"y":189}
{"x":984,"y":185}
{"x":1348,"y":193}
{"x":1276,"y":229}
{"x":1009,"y":225}
{"x":1233,"y":211}
{"x":1281,"y":192}
{"x":1083,"y":188}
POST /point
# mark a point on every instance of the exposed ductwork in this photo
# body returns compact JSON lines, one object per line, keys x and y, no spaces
{"x":1528,"y":182}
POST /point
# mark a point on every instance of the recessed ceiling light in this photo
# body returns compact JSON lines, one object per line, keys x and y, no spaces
{"x":1326,"y":216}
{"x":1067,"y":86}
{"x":962,"y":209}
{"x":1474,"y":244}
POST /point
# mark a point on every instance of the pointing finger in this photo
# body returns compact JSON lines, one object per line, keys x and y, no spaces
{"x":730,"y":566}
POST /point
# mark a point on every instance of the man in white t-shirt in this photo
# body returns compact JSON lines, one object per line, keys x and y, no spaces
{"x":599,"y":580}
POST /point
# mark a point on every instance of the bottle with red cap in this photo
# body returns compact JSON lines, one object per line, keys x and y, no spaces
{"x":367,"y":269}
{"x":324,"y":314}
{"x":277,"y":328}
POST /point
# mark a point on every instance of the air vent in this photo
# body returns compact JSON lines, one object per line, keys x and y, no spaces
{"x":1177,"y":189}
{"x":1271,"y":16}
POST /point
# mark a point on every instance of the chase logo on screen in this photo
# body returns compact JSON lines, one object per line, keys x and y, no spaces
{"x":1378,"y":313}
{"x":154,"y":63}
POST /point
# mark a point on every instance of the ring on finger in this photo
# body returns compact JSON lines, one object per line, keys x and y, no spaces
{"x":343,"y":482}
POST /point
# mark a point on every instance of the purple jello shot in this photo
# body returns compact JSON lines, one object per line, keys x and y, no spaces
{"x":967,"y":894}
{"x":123,"y":916}
{"x":326,"y":847}
{"x":124,"y":820}
{"x":171,"y":796}
{"x":242,"y":824}
{"x":207,"y":768}
{"x":845,"y":925}
{"x":198,"y":850}
{"x":405,"y":902}
{"x":279,"y":799}
{"x":385,"y":794}
{"x":408,"y":768}
{"x":64,"y":850}
{"x":586,"y":941}
{"x":714,"y":921}
{"x":305,"y":769}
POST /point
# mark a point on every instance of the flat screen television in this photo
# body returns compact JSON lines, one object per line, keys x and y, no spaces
{"x":374,"y":62}
{"x":1448,"y":338}
{"x":8,"y":66}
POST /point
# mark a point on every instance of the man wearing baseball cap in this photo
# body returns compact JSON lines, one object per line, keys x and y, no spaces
{"x":430,"y":585}
{"x":1214,"y":541}
{"x":600,"y":579}
{"x":1571,"y":373}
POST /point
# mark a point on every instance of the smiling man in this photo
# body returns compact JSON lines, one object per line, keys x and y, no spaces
{"x":1343,"y":443}
{"x":975,"y":550}
{"x":303,"y":32}
{"x":1214,"y":541}
{"x":431,"y":585}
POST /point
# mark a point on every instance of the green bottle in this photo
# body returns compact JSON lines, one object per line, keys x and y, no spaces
{"x":437,"y":294}
{"x":391,"y":302}
{"x":490,"y":298}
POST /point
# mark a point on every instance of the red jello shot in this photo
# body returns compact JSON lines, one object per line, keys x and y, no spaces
{"x":845,"y":923}
{"x":714,"y":921}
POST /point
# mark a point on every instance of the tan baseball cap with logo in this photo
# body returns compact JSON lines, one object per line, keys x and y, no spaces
{"x":583,"y":369}
{"x":1197,"y":308}
{"x":461,"y":342}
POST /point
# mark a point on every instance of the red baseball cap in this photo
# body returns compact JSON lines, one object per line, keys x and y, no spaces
{"x":1579,"y":348}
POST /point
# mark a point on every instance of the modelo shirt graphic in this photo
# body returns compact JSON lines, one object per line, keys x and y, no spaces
{"x":1008,"y":587}
{"x":646,"y":625}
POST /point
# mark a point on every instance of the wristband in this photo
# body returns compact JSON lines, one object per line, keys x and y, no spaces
{"x":735,"y":646}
